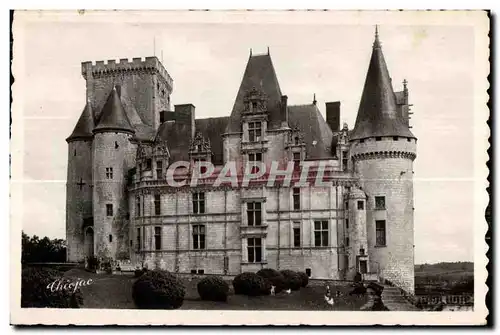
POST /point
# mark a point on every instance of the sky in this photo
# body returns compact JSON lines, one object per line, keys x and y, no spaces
{"x":206,"y":61}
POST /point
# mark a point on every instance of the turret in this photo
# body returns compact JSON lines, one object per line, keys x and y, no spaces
{"x":382,"y":152}
{"x":112,"y":150}
{"x":356,"y":235}
{"x":79,"y":226}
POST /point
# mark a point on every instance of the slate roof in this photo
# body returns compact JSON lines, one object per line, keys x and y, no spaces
{"x":378,"y":114}
{"x":212,"y":129}
{"x":260,"y":74}
{"x":84,"y":126}
{"x":178,"y":138}
{"x":113,"y":116}
{"x":314,"y":128}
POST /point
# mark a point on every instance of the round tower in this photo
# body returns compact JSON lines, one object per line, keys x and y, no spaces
{"x":79,"y":230}
{"x":111,"y":147}
{"x":382,"y":152}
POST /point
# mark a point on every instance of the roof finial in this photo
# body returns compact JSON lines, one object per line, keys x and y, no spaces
{"x":268,"y":50}
{"x":250,"y":52}
{"x":405,"y":82}
{"x":376,"y":43}
{"x":314,"y":99}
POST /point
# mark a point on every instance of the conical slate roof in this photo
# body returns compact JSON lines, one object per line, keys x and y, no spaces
{"x":260,"y":74}
{"x":377,"y":114}
{"x":113,"y":116}
{"x":84,"y":126}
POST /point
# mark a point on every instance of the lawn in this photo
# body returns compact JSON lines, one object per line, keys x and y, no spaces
{"x":115,"y":291}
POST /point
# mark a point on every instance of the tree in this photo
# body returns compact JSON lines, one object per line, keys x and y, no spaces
{"x":45,"y":250}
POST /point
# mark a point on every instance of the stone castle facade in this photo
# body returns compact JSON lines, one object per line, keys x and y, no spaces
{"x":359,"y":219}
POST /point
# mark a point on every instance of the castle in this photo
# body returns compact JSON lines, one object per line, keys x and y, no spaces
{"x":127,"y":141}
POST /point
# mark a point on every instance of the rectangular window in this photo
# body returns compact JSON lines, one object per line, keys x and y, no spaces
{"x":193,"y":272}
{"x":345,"y":158}
{"x":110,"y":238}
{"x":255,"y":157}
{"x":380,"y":202}
{"x":362,"y":140}
{"x":157,"y":238}
{"x":197,"y":161}
{"x":321,"y":233}
{"x":157,"y":204}
{"x":199,"y":237}
{"x":395,"y":138}
{"x":296,"y":198}
{"x":346,"y":223}
{"x":254,"y":250}
{"x":159,"y":169}
{"x":347,"y":241}
{"x":254,"y":213}
{"x":148,"y":164}
{"x":138,"y":206}
{"x":201,"y":271}
{"x":109,"y":209}
{"x":378,"y":138}
{"x":380,"y":233}
{"x":198,"y":203}
{"x":361,"y":205}
{"x":254,"y":131}
{"x":296,"y":160}
{"x":138,"y":239}
{"x":109,"y":173}
{"x":296,"y":234}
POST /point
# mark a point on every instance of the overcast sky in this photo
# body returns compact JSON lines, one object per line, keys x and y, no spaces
{"x":206,"y":62}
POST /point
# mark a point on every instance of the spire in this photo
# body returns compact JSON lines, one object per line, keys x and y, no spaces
{"x":377,"y":114}
{"x":314,"y":99}
{"x":376,"y":42}
{"x":113,"y":116}
{"x":85,"y":124}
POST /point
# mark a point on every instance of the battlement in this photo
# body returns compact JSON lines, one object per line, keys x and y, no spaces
{"x":113,"y":67}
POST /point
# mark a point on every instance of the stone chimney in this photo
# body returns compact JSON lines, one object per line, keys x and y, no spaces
{"x":184,"y":115}
{"x":284,"y":110}
{"x":333,"y":115}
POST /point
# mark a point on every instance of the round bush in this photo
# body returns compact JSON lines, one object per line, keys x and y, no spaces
{"x":304,"y":277}
{"x":292,"y":279}
{"x":43,"y":287}
{"x":213,"y":289}
{"x":249,"y":283}
{"x":274,"y":277}
{"x":158,"y":289}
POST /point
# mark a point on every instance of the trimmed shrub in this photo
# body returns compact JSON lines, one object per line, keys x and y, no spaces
{"x":158,"y":289}
{"x":304,"y":277}
{"x":274,"y":277}
{"x":140,"y":272}
{"x":249,"y":283}
{"x":93,"y":263}
{"x":43,"y":287}
{"x":357,"y":277}
{"x":213,"y":288}
{"x":292,"y":279}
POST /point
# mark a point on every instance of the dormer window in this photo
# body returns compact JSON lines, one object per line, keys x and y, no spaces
{"x":296,"y":140}
{"x":254,"y":106}
{"x":254,"y":131}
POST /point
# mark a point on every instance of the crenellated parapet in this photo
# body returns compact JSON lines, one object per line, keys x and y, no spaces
{"x":150,"y":65}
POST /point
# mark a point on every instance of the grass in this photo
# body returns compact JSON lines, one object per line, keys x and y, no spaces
{"x":115,"y":292}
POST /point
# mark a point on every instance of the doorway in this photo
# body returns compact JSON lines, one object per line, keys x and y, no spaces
{"x":89,"y":242}
{"x":363,"y":267}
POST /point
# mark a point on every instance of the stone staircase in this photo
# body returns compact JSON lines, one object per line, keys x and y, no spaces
{"x":394,"y":300}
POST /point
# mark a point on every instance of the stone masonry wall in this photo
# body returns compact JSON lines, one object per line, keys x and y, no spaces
{"x":78,"y":197}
